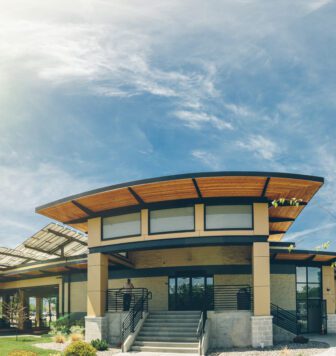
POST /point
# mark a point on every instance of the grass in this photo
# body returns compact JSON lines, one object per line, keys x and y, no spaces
{"x":8,"y":344}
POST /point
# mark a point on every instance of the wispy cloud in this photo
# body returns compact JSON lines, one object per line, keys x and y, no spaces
{"x":261,"y":146}
{"x":196,"y":120}
{"x":206,"y":158}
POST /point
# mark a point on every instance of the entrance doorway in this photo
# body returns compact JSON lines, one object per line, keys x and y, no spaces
{"x":310,"y":305}
{"x":190,"y":293}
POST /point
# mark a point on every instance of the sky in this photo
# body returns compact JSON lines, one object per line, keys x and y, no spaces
{"x":99,"y":92}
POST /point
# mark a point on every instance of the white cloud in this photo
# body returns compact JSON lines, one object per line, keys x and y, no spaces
{"x":196,"y":120}
{"x":300,"y":235}
{"x":22,"y":189}
{"x":206,"y":158}
{"x":261,"y":146}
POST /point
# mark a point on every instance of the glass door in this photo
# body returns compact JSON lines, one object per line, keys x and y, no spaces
{"x":190,"y":293}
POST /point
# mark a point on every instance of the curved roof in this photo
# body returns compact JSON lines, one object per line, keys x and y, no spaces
{"x":76,"y":209}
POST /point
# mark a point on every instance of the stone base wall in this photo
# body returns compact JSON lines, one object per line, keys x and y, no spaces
{"x":262,"y":331}
{"x":331,"y":324}
{"x":282,"y":335}
{"x":96,"y":328}
{"x":115,"y":321}
{"x":229,"y":329}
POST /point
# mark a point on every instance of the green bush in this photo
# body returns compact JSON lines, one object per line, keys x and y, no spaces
{"x":22,"y":353}
{"x":77,"y":329}
{"x":64,"y":324}
{"x":100,"y":345}
{"x":80,"y":348}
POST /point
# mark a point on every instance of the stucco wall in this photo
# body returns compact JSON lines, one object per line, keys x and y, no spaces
{"x":283,"y":291}
{"x":157,"y":285}
{"x":194,"y":256}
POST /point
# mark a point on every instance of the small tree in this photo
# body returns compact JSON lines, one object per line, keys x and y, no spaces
{"x":15,"y":313}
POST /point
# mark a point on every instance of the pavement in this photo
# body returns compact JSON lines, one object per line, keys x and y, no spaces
{"x":329,"y":339}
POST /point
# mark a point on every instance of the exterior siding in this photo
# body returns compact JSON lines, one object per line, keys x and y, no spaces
{"x":157,"y":285}
{"x":283,"y":291}
{"x":193,"y":256}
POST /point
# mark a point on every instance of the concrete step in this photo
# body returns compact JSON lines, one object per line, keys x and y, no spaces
{"x":158,"y":323}
{"x":178,"y":328}
{"x":186,"y":350}
{"x":171,"y":333}
{"x":172,"y":317}
{"x":176,"y":313}
{"x":166,"y":344}
{"x":167,"y":338}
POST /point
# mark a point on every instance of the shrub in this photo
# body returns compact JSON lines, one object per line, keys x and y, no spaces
{"x":77,"y":329}
{"x":22,"y":353}
{"x":59,"y":339}
{"x":100,"y":345}
{"x":300,"y":339}
{"x":76,"y":337}
{"x":80,"y":348}
{"x":64,"y":324}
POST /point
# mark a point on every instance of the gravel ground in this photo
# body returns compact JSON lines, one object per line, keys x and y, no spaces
{"x":311,"y":348}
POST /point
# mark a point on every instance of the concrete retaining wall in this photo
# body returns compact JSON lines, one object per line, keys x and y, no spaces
{"x":230,"y":329}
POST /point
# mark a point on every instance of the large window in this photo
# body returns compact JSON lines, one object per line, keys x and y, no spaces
{"x":171,"y":220}
{"x":121,"y":226}
{"x":228,"y":217}
{"x":308,"y":298}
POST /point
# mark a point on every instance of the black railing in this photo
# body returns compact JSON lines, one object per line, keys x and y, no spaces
{"x":118,"y":300}
{"x":135,"y":314}
{"x":285,"y":319}
{"x":229,"y":297}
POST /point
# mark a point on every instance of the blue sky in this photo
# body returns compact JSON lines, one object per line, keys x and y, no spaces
{"x":99,"y":92}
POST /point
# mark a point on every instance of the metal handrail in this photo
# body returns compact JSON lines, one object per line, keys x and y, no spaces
{"x":135,"y":314}
{"x":285,"y":319}
{"x":115,"y":298}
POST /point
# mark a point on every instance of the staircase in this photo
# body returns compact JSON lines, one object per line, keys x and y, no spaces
{"x":169,"y":331}
{"x":285,"y":319}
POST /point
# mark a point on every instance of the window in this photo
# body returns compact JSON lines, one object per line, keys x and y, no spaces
{"x":170,"y":220}
{"x":121,"y":226}
{"x":308,"y":298}
{"x":219,"y":217}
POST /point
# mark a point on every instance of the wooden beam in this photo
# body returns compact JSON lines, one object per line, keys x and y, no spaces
{"x":279,"y":220}
{"x":310,"y":258}
{"x":72,"y":238}
{"x":136,"y":196}
{"x":265,"y":187}
{"x":198,"y":191}
{"x":80,"y":206}
{"x":276,"y":232}
{"x":116,"y":258}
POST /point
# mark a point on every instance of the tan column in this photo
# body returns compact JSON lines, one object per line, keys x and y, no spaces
{"x":328,"y":285}
{"x":261,"y":278}
{"x":199,"y":218}
{"x":97,"y":284}
{"x":144,"y":222}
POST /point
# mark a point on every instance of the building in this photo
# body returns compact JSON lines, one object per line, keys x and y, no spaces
{"x":201,"y":249}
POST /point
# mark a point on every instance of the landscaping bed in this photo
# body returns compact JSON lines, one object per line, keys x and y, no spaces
{"x":289,"y":349}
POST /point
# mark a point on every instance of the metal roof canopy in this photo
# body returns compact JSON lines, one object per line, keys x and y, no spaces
{"x":53,"y":241}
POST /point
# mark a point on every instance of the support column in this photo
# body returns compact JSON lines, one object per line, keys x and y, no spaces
{"x":96,"y":322}
{"x":38,"y":311}
{"x":22,"y":310}
{"x":328,"y":285}
{"x":262,"y":327}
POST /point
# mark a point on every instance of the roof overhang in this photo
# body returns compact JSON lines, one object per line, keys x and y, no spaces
{"x":302,"y":256}
{"x":75,"y":210}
